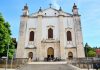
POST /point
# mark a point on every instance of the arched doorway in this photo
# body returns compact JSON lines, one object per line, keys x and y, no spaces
{"x":30,"y":55}
{"x":70,"y":55}
{"x":50,"y":52}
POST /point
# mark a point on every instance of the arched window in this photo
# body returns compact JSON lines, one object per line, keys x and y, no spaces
{"x":31,"y":38}
{"x":69,"y":36}
{"x":50,"y":33}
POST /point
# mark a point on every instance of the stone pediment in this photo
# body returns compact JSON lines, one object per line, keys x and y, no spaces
{"x":50,"y":12}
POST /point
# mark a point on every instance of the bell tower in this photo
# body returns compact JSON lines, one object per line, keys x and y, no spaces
{"x":25,"y":11}
{"x":78,"y":32}
{"x":22,"y":33}
{"x":75,"y":9}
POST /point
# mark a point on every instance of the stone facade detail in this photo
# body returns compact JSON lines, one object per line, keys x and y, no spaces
{"x":58,"y":45}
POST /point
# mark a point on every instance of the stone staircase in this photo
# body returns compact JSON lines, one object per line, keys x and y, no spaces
{"x":47,"y":66}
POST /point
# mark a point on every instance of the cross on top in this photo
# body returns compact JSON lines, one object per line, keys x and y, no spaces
{"x":50,"y":5}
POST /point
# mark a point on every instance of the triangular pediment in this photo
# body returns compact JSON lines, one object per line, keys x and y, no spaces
{"x":51,"y":12}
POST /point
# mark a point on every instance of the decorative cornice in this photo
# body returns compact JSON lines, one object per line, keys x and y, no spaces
{"x":68,"y":28}
{"x":50,"y":40}
{"x":70,"y":47}
{"x":50,"y":26}
{"x":47,"y":16}
{"x":32,"y":28}
{"x":30,"y":48}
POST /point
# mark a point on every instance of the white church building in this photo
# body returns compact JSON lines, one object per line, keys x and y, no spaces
{"x":50,"y":33}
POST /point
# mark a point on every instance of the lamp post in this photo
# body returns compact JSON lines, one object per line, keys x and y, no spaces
{"x":7,"y":56}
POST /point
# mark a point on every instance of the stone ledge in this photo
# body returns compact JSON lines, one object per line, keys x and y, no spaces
{"x":47,"y":62}
{"x":6,"y":69}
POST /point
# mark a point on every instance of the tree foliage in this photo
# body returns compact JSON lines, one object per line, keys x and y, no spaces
{"x":5,"y":38}
{"x":89,"y":51}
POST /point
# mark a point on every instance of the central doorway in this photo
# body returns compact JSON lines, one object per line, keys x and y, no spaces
{"x":30,"y":55}
{"x":50,"y":53}
{"x":70,"y":55}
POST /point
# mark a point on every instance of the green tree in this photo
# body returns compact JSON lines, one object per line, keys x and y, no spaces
{"x":5,"y":38}
{"x":89,"y":51}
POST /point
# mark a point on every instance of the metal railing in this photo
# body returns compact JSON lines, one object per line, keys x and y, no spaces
{"x":88,"y":63}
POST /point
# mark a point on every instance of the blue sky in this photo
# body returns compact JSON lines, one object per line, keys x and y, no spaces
{"x":89,"y":10}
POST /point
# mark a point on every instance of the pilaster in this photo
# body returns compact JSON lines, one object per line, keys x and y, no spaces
{"x":39,"y":36}
{"x":61,"y":26}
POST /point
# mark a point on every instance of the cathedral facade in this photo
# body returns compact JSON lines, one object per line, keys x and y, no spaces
{"x":50,"y":33}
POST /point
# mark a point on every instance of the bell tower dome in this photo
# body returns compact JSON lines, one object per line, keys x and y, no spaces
{"x":75,"y":9}
{"x":25,"y":11}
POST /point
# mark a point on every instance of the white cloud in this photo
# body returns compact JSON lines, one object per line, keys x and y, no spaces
{"x":56,"y":3}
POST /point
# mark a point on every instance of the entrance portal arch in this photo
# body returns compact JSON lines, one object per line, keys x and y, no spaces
{"x":30,"y":55}
{"x":70,"y":55}
{"x":50,"y":52}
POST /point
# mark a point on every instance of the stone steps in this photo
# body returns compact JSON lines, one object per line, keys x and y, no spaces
{"x":47,"y":66}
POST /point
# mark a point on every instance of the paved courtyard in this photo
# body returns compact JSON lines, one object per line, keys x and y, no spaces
{"x":47,"y":67}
